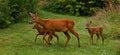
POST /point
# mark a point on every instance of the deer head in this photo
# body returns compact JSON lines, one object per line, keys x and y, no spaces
{"x":88,"y":24}
{"x":34,"y":17}
{"x":35,"y":26}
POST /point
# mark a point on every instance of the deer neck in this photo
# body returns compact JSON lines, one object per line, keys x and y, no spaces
{"x":89,"y":29}
{"x":41,"y":22}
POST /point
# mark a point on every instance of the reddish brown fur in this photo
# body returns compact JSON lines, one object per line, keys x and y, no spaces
{"x":57,"y":25}
{"x":94,"y":30}
{"x":42,"y":31}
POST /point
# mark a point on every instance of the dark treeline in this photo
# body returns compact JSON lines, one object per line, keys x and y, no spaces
{"x":78,"y":7}
{"x":14,"y":11}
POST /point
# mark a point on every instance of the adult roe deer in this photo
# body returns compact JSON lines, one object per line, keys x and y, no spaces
{"x":94,"y":30}
{"x":56,"y":25}
{"x":42,"y":31}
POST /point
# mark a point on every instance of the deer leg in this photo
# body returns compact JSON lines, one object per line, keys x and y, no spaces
{"x":76,"y":35}
{"x":49,"y":38}
{"x":36,"y":37}
{"x":102,"y":37}
{"x":44,"y":37}
{"x":91,"y":38}
{"x":97,"y":38}
{"x":56,"y":37}
{"x":68,"y":38}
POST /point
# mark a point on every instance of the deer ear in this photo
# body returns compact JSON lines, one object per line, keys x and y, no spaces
{"x":31,"y":14}
{"x":36,"y":13}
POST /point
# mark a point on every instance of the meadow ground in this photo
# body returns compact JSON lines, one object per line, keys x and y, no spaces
{"x":18,"y":39}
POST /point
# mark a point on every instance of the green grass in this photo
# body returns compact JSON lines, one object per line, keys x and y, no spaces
{"x":18,"y":39}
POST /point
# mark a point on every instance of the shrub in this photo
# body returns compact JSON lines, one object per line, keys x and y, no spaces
{"x":14,"y":11}
{"x":4,"y":14}
{"x":20,"y":8}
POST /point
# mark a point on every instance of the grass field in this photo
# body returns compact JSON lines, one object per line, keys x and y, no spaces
{"x":18,"y":39}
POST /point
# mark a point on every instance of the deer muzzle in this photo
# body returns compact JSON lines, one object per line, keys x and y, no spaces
{"x":30,"y":22}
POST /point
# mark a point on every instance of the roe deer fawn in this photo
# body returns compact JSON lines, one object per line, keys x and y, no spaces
{"x":94,"y":30}
{"x":42,"y":31}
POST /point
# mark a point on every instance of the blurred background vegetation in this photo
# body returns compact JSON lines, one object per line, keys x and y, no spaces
{"x":104,"y":11}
